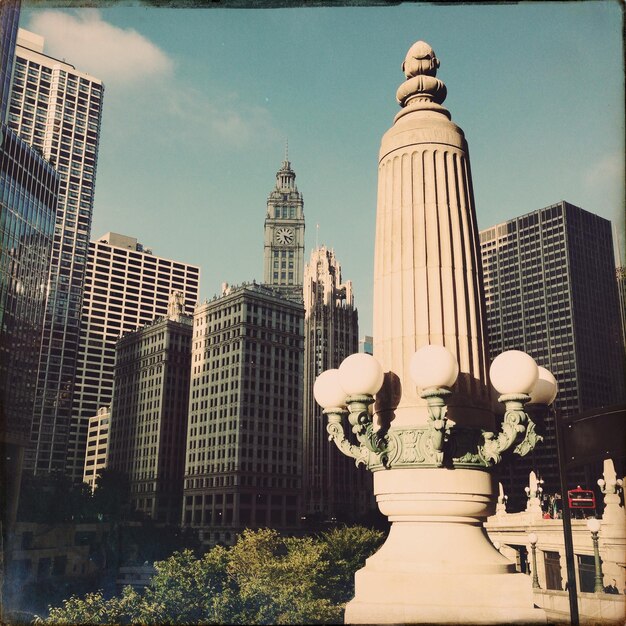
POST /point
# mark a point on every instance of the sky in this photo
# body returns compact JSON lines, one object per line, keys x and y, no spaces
{"x":200,"y":104}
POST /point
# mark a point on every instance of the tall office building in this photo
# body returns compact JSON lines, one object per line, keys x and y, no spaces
{"x":334,"y":487}
{"x":9,"y":20}
{"x":550,"y":291}
{"x":29,"y":189}
{"x":126,"y":286}
{"x":149,"y":412}
{"x":244,"y":439}
{"x":57,"y":109}
{"x":283,"y":252}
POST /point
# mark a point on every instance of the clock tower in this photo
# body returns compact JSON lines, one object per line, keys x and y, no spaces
{"x":283,"y":263}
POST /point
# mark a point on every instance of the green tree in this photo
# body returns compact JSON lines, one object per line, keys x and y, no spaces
{"x":93,"y":608}
{"x":277,"y":581}
{"x":346,"y":550}
{"x":263,"y":579}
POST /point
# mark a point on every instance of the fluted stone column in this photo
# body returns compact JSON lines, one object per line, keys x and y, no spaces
{"x":437,"y":564}
{"x":427,"y":267}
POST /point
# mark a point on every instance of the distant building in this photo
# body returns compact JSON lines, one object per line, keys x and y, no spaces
{"x":283,"y":252}
{"x":334,"y":488}
{"x":57,"y":110}
{"x":244,"y":441}
{"x":149,"y":412}
{"x":550,"y":291}
{"x":126,"y":287}
{"x":97,"y":445}
{"x":366,"y":344}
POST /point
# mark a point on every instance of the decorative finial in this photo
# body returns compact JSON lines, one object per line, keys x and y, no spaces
{"x":421,"y":87}
{"x":286,"y":149}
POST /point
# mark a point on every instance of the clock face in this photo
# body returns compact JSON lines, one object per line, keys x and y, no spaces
{"x":284,"y":236}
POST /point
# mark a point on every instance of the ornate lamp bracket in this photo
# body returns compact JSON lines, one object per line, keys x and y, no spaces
{"x":513,"y":431}
{"x":372,"y":447}
{"x":438,"y":431}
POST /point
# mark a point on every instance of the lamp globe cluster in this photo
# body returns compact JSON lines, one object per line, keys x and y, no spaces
{"x":358,"y":374}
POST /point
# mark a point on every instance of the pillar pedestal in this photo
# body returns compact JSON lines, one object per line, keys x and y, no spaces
{"x":438,"y":565}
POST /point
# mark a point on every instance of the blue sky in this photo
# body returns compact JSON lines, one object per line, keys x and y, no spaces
{"x":200,"y":102}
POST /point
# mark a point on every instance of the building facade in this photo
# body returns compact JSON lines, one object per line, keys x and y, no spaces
{"x":244,"y":440}
{"x":97,"y":453}
{"x":149,"y":412}
{"x":283,"y":260}
{"x":334,"y":488}
{"x":550,"y":291}
{"x":57,"y":109}
{"x":126,"y":287}
{"x":29,"y":191}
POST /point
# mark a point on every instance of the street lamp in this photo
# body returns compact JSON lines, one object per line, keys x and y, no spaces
{"x":532,"y":538}
{"x":593,"y":524}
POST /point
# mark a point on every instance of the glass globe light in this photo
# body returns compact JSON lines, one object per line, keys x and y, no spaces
{"x":593,"y":524}
{"x":545,"y":388}
{"x":532,"y":537}
{"x":433,"y":366}
{"x":328,"y":391}
{"x":361,"y":373}
{"x":513,"y":372}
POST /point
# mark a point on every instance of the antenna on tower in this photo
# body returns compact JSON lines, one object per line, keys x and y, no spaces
{"x":287,"y":149}
{"x":317,"y":232}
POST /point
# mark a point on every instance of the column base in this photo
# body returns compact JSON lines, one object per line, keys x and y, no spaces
{"x":437,"y":565}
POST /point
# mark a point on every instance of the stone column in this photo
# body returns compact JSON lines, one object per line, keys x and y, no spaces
{"x":427,"y":266}
{"x":437,"y":565}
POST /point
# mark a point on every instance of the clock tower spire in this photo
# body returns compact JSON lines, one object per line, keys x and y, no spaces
{"x":283,"y":265}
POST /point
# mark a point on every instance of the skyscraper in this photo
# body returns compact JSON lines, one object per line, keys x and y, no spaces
{"x":126,"y":286}
{"x":283,"y":263}
{"x":29,"y":189}
{"x":57,"y":109}
{"x":244,"y":439}
{"x":333,"y":486}
{"x":550,"y":291}
{"x":9,"y":20}
{"x":149,"y":412}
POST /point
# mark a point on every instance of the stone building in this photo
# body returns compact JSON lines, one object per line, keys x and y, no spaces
{"x":283,"y":250}
{"x":149,"y":412}
{"x":244,"y":438}
{"x":126,"y":287}
{"x":335,"y":489}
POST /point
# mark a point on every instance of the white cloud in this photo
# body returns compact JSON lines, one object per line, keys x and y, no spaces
{"x":110,"y":53}
{"x":225,"y":119}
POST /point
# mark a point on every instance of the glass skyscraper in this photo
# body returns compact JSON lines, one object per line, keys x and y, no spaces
{"x":28,"y":199}
{"x":57,"y":109}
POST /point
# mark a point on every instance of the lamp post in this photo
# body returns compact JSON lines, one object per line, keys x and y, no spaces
{"x":532,"y":538}
{"x":593,"y":524}
{"x":421,"y":420}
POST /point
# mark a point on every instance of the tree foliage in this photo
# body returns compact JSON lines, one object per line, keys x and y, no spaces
{"x":263,"y":579}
